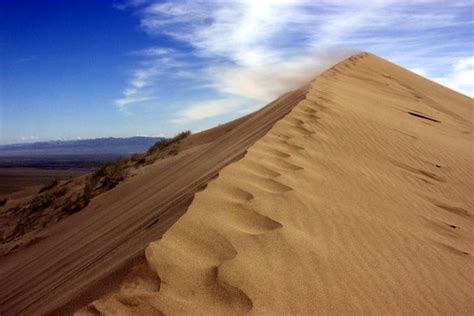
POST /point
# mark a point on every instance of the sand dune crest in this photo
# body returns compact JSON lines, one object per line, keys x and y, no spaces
{"x":351,"y":204}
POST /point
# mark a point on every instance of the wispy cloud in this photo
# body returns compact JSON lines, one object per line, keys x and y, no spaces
{"x":249,"y":52}
{"x":461,"y":76}
{"x":29,"y":138}
{"x":207,"y":109}
{"x":154,"y":62}
{"x":122,"y":5}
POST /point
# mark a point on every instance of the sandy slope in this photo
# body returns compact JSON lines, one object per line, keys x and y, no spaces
{"x":68,"y":262}
{"x":349,"y":205}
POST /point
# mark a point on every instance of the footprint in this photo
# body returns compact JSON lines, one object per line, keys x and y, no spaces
{"x":234,"y":193}
{"x":423,"y":117}
{"x":259,"y":169}
{"x":295,"y":121}
{"x":272,"y":186}
{"x":454,"y":210}
{"x":251,"y":222}
{"x":264,"y":149}
{"x":230,"y":296}
{"x":419,"y":172}
{"x":303,"y":130}
{"x":451,"y":249}
{"x":443,"y":228}
{"x":308,"y":110}
{"x":312,"y":117}
{"x":285,"y":165}
{"x":291,"y":146}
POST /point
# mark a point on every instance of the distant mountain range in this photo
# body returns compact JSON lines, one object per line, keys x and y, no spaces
{"x":97,"y":146}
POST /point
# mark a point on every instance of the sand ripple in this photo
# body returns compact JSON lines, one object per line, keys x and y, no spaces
{"x":349,"y":205}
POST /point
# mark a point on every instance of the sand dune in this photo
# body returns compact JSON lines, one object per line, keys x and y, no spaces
{"x":359,"y":201}
{"x":83,"y":256}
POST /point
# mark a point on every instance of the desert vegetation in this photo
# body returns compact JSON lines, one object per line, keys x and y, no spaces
{"x":42,"y":201}
{"x":165,"y":148}
{"x":50,"y":185}
{"x":159,"y":146}
{"x":58,"y":199}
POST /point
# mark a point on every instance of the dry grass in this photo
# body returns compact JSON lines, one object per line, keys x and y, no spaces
{"x":50,"y":185}
{"x":55,"y":201}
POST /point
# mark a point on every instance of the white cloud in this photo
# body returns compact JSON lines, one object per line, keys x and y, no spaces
{"x":29,"y":138}
{"x":134,"y":93}
{"x":152,"y":135}
{"x":154,"y":51}
{"x":242,"y":40}
{"x":155,"y":61}
{"x":257,"y":50}
{"x":207,"y":109}
{"x":419,"y":71}
{"x":461,"y":76}
{"x":122,"y":5}
{"x":131,"y":99}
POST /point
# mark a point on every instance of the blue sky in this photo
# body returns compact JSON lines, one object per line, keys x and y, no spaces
{"x":84,"y":69}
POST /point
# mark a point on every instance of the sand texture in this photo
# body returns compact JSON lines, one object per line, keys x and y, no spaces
{"x":81,"y":257}
{"x":359,"y":201}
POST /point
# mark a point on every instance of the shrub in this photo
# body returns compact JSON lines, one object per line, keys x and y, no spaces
{"x":120,"y":163}
{"x":40,"y":202}
{"x":60,"y":192}
{"x":50,"y":185}
{"x":114,"y":174}
{"x":136,"y":157}
{"x":173,"y":151}
{"x":67,"y":205}
{"x":110,"y":182}
{"x":73,"y":205}
{"x":104,"y":179}
{"x":88,"y":188}
{"x":182,"y":135}
{"x":158,"y":146}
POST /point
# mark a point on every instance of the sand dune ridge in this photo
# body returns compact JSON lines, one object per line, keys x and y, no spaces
{"x":350,"y":204}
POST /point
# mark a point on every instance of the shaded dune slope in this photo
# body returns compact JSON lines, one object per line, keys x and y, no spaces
{"x":66,"y":261}
{"x":359,"y":201}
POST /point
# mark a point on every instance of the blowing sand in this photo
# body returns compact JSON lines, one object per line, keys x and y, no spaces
{"x":357,"y":202}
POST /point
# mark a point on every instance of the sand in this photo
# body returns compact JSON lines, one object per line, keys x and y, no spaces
{"x":359,"y":201}
{"x":85,"y":255}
